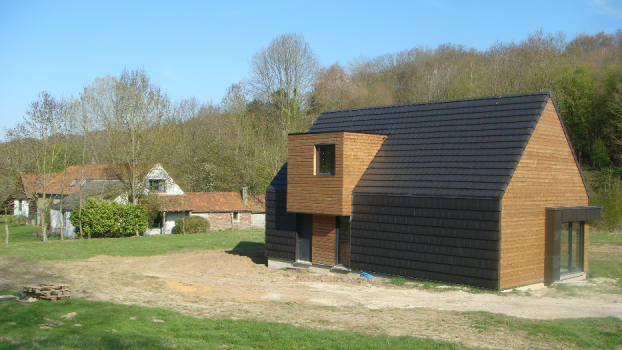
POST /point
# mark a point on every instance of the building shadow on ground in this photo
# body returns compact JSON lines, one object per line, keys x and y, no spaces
{"x":252,"y":250}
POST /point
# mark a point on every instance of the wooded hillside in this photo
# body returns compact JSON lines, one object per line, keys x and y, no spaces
{"x":242,"y":140}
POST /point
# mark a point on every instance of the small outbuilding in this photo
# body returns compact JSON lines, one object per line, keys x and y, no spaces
{"x":224,"y":210}
{"x":484,"y":192}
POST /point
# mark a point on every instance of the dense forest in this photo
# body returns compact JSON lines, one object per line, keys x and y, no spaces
{"x":127,"y":119}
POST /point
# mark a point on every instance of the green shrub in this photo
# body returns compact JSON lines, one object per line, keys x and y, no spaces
{"x":192,"y":224}
{"x":152,"y":205}
{"x":606,"y":190}
{"x":18,"y":220}
{"x":102,"y":218}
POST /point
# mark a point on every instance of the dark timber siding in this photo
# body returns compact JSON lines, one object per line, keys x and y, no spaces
{"x":441,"y":239}
{"x":280,"y":225}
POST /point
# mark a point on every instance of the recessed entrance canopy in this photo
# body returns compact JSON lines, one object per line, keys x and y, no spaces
{"x":565,"y":240}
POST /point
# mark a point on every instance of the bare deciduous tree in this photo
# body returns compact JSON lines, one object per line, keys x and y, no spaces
{"x":284,"y":73}
{"x":131,"y":111}
{"x":8,"y":179}
{"x":43,"y":122}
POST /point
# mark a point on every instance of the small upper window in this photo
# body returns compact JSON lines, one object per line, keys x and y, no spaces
{"x":85,"y":182}
{"x":325,"y":159}
{"x":158,"y":185}
{"x":75,"y":182}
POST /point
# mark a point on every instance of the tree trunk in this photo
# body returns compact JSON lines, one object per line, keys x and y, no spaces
{"x":44,"y":233}
{"x":183,"y":225}
{"x":62,"y":219}
{"x":6,"y":226}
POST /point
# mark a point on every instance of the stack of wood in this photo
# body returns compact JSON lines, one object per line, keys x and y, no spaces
{"x":50,"y":292}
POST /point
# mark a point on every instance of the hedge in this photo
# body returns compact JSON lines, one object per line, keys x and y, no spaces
{"x":102,"y":218}
{"x":192,"y":224}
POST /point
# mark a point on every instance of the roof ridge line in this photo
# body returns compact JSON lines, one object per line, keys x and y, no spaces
{"x":441,"y":102}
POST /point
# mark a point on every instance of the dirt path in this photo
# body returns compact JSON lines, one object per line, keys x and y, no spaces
{"x":220,"y":284}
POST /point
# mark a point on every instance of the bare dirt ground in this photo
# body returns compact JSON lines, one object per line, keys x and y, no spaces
{"x":238,"y":285}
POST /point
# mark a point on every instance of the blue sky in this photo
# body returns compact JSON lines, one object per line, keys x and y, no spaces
{"x":199,"y":48}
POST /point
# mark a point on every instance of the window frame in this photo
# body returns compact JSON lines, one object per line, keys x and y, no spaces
{"x":161,"y":188}
{"x":319,"y":164}
{"x":157,"y":222}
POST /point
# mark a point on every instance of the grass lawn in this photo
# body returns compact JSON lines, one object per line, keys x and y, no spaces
{"x":18,"y":234}
{"x":109,"y":326}
{"x":602,"y":264}
{"x":23,"y":245}
{"x":611,"y":238}
{"x":586,"y":333}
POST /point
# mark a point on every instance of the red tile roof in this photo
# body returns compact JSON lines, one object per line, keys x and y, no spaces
{"x":257,"y":203}
{"x":63,"y":181}
{"x":34,"y":182}
{"x":174,"y":203}
{"x":211,"y":202}
{"x":216,"y":201}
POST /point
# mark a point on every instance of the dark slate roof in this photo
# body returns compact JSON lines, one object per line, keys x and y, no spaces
{"x":279,"y":182}
{"x":103,"y":189}
{"x":462,"y":148}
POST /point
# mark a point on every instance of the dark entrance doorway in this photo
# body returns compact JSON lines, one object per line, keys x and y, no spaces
{"x":343,"y":240}
{"x":304,"y":228}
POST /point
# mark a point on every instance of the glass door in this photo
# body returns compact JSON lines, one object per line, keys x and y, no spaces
{"x":571,"y":248}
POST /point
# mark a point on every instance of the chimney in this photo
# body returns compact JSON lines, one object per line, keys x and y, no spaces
{"x":245,"y":195}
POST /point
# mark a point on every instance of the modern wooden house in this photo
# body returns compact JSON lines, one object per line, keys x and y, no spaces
{"x":484,"y":192}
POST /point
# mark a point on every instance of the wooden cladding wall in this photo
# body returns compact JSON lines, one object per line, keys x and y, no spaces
{"x":329,"y":195}
{"x":546,"y":176}
{"x":280,"y":227}
{"x":323,"y":241}
{"x":452,"y":240}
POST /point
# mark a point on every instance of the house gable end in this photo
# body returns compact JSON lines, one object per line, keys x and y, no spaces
{"x":546,"y":176}
{"x":157,"y":172}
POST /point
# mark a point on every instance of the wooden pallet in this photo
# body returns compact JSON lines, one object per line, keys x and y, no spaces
{"x":50,"y":292}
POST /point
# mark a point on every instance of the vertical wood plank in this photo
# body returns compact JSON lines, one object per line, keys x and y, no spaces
{"x":330,"y":195}
{"x":546,"y":176}
{"x":323,"y":241}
